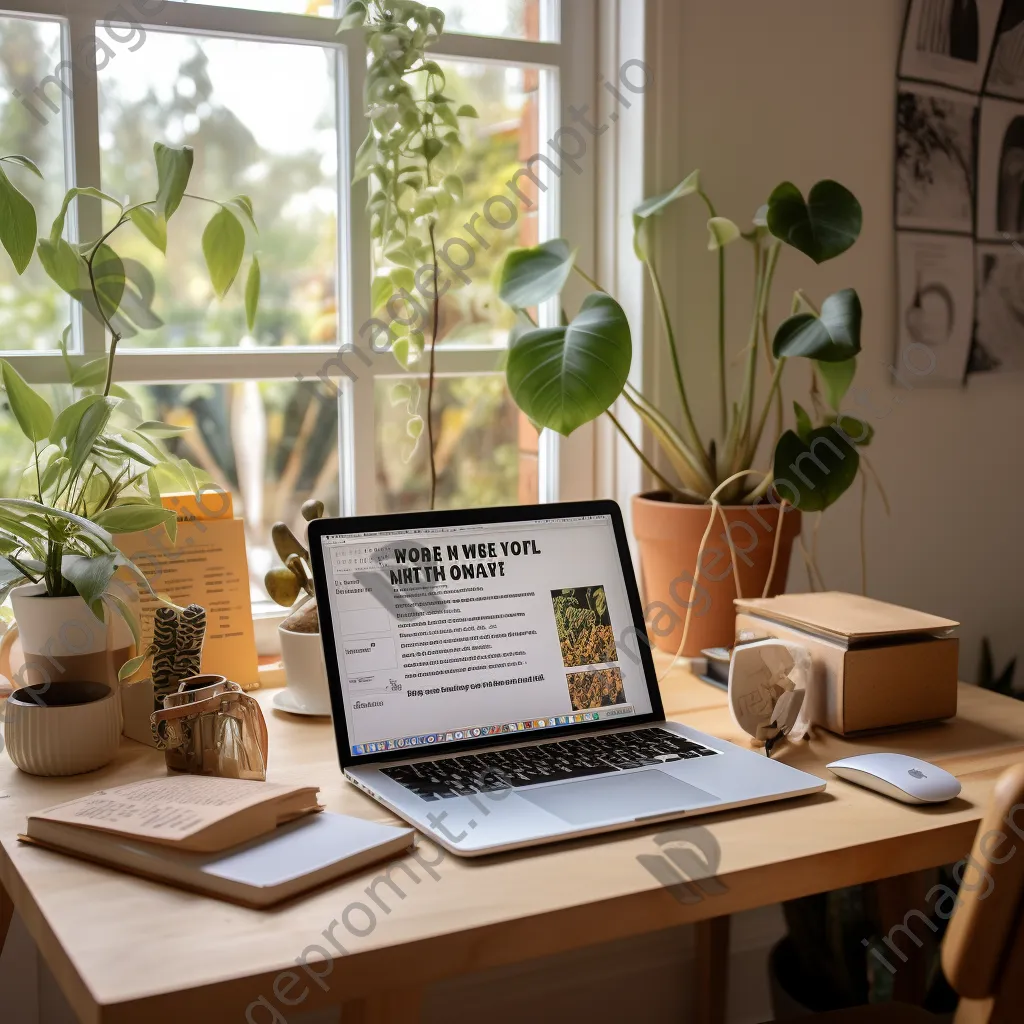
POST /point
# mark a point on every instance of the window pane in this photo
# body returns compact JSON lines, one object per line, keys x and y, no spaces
{"x":273,"y":444}
{"x":315,"y":8}
{"x":262,"y":120}
{"x":33,"y":311}
{"x":486,"y":451}
{"x":497,"y":145}
{"x":519,"y":19}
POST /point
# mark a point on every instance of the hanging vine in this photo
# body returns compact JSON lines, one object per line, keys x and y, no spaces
{"x":409,"y":156}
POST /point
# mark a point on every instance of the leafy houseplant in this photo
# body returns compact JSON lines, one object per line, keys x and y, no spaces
{"x":97,"y":465}
{"x":565,"y":376}
{"x":410,"y":154}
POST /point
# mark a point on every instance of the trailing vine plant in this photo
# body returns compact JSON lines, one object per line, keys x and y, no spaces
{"x":409,"y":155}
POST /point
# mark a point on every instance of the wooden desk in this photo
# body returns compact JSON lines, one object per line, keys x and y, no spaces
{"x":125,"y":950}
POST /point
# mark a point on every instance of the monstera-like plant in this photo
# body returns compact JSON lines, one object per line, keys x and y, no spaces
{"x":565,"y":376}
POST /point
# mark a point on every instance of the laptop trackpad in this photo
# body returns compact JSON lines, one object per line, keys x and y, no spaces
{"x":618,"y":797}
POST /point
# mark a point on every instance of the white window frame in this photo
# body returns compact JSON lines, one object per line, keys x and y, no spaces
{"x":568,"y":465}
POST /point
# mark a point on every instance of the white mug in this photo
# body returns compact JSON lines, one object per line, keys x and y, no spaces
{"x":303,"y":657}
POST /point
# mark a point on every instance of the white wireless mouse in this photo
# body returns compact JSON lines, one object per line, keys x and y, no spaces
{"x":904,"y":778}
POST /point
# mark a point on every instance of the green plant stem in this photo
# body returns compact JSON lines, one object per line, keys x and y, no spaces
{"x":755,"y":437}
{"x":723,"y":396}
{"x":433,"y":366}
{"x":586,"y":277}
{"x":670,"y":335}
{"x":647,"y":462}
{"x":114,"y":336}
{"x":771,"y":261}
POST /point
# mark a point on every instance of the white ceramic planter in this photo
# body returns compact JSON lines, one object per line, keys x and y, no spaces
{"x":62,"y":728}
{"x":61,"y":639}
{"x":303,"y":657}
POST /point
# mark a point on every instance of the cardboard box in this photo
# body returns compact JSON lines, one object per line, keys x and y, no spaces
{"x":875,"y":665}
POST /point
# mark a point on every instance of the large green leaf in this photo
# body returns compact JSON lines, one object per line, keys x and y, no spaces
{"x":837,"y":378}
{"x":173,"y":168}
{"x":252,"y":294}
{"x":366,"y":154}
{"x":823,"y":227}
{"x":532,"y":276}
{"x":60,"y":261}
{"x":90,"y":574}
{"x":813,"y":474}
{"x":223,"y":247}
{"x":721,"y":231}
{"x":136,"y":306}
{"x":133,"y":518}
{"x":857,"y":430}
{"x":154,"y":428}
{"x":23,"y":161}
{"x":57,"y":228}
{"x":23,"y":507}
{"x":652,"y":207}
{"x":152,"y":226}
{"x":83,"y":441}
{"x":563,"y":377}
{"x":834,"y":337}
{"x":90,"y":374}
{"x":17,"y":224}
{"x":803,"y":422}
{"x":30,"y":409}
{"x":354,"y":16}
{"x":65,"y":426}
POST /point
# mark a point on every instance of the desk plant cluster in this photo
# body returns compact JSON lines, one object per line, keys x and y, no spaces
{"x":97,"y":466}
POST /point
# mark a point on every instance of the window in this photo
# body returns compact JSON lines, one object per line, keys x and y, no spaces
{"x":270,"y":97}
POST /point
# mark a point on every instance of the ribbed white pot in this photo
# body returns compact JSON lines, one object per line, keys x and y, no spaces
{"x":69,"y":728}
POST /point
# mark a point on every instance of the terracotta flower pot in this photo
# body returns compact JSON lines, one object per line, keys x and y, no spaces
{"x":669,"y":535}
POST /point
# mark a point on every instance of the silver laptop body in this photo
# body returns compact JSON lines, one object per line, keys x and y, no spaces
{"x":492,"y":683}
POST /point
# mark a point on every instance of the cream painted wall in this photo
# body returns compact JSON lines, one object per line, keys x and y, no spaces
{"x":805,"y":89}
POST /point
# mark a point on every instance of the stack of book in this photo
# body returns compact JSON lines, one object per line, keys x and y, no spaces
{"x":252,"y":843}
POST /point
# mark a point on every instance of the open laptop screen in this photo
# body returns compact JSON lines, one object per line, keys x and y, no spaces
{"x":469,"y":632}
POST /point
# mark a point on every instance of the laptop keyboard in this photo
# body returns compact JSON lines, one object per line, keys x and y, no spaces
{"x":544,"y":762}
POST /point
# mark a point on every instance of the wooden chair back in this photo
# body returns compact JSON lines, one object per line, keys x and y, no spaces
{"x":983,"y":951}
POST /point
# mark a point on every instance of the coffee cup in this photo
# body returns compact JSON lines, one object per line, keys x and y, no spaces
{"x":303,"y":657}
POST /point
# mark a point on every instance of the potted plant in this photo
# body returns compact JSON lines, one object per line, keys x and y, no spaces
{"x":567,"y":375}
{"x":291,"y":586}
{"x":97,"y":466}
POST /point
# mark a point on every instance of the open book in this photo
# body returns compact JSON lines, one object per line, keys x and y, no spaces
{"x":253,"y":843}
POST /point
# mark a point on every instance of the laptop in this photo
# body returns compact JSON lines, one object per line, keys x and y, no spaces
{"x":492,"y":682}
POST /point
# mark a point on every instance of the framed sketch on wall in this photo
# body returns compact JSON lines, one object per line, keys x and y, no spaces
{"x":999,"y":331}
{"x":1001,"y":170}
{"x":949,"y":41}
{"x":959,"y":203}
{"x":936,"y":304}
{"x":1006,"y":70}
{"x":935,"y":159}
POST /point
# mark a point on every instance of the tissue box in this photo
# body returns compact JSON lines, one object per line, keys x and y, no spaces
{"x":874,"y":665}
